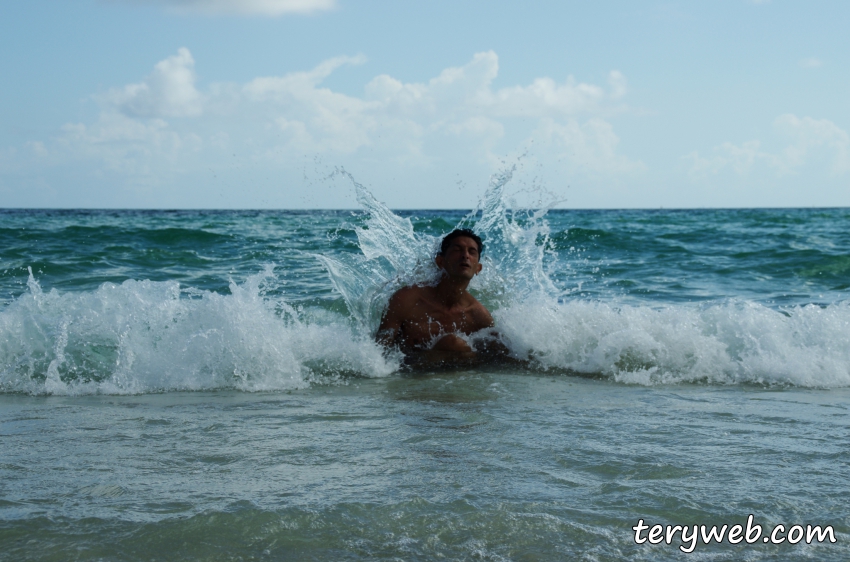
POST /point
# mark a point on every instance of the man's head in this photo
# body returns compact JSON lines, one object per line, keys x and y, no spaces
{"x":447,"y":240}
{"x":459,"y":254}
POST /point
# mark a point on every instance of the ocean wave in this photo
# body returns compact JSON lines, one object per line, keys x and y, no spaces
{"x":728,"y":342}
{"x":142,"y":336}
{"x":145,"y":336}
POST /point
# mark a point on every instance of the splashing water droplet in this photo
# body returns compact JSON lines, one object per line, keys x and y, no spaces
{"x":393,"y":255}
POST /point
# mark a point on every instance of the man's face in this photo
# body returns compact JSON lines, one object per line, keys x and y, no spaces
{"x":460,"y":258}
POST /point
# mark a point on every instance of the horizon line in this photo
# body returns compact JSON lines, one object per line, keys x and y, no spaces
{"x":404,"y":209}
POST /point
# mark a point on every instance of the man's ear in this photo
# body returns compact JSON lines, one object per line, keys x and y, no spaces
{"x":438,"y":259}
{"x":479,"y":269}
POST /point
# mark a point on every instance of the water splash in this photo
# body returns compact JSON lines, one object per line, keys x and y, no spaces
{"x":393,"y":255}
{"x":517,"y":240}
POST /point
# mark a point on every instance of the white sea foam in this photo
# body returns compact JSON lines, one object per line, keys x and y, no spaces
{"x":143,"y":336}
{"x":727,"y":342}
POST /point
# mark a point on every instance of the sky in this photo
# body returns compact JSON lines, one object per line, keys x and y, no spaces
{"x":252,"y":104}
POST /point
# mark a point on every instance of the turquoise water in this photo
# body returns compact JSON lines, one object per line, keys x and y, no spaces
{"x":203,"y":385}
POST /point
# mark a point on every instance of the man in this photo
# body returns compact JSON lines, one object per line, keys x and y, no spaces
{"x":425,"y":322}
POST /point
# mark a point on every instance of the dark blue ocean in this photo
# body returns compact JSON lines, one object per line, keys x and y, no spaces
{"x":204,"y":385}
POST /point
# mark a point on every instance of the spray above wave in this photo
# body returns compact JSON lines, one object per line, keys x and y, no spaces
{"x":393,"y":255}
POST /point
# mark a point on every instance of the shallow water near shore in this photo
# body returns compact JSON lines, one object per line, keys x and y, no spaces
{"x":461,"y":465}
{"x":205,"y":385}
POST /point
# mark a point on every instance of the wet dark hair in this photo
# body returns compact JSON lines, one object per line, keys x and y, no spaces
{"x":458,"y":233}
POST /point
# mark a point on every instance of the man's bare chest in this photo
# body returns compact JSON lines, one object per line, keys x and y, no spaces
{"x":427,"y":322}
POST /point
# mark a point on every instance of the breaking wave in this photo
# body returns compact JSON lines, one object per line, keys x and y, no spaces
{"x":158,"y":336}
{"x":145,"y":336}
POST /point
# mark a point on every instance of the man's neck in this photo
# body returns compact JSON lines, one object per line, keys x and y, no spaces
{"x":451,"y":291}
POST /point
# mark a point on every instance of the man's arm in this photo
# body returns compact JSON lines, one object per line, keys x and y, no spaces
{"x":389,"y":330}
{"x":484,"y":318}
{"x":491,"y":349}
{"x":449,"y":351}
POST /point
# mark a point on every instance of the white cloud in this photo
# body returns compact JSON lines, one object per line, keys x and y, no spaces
{"x":618,"y":83}
{"x":459,"y":102}
{"x":467,"y":90}
{"x":242,"y":7}
{"x":812,"y":142}
{"x":167,"y":124}
{"x":167,"y":92}
{"x":296,"y":85}
{"x":591,"y":145}
{"x":138,"y":149}
{"x":740,"y":158}
{"x":812,"y":138}
{"x":37,"y":148}
{"x":811,"y":62}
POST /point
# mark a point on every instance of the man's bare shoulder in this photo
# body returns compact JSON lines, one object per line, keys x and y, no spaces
{"x":482,"y":316}
{"x":410,"y":295}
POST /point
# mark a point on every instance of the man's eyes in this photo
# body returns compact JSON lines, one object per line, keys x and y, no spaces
{"x":461,"y":249}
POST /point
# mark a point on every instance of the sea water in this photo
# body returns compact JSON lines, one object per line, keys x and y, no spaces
{"x":204,"y":385}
